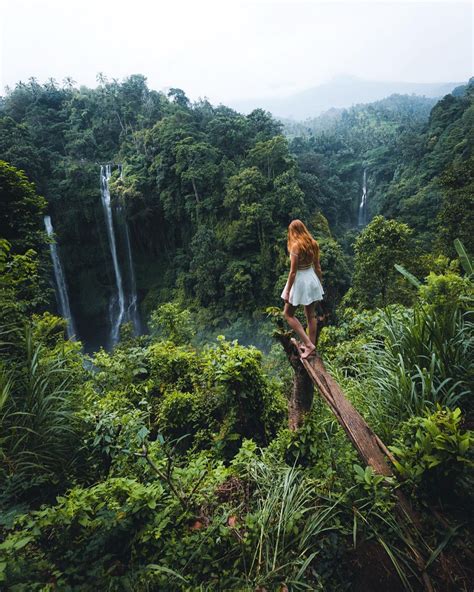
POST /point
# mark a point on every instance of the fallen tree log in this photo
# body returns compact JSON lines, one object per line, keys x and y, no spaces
{"x":371,"y":449}
{"x":367,"y":444}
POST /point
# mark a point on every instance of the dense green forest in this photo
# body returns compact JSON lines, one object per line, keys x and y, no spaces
{"x":164,"y":460}
{"x":199,"y":179}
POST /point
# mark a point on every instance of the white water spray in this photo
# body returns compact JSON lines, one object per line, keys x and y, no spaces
{"x":60,"y":281}
{"x":117,"y":304}
{"x":363,"y":201}
{"x":133,"y":299}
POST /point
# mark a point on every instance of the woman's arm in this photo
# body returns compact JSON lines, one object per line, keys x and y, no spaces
{"x":291,"y":275}
{"x":317,"y":266}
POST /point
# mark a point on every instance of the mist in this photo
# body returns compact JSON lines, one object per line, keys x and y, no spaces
{"x":236,"y":50}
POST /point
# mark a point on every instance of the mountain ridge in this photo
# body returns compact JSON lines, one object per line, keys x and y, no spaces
{"x":341,"y":92}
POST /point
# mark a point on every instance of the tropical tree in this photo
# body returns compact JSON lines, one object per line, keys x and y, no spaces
{"x":381,"y":245}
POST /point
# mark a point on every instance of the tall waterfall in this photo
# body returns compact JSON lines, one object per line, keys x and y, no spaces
{"x":60,"y":281}
{"x":117,"y":303}
{"x":124,"y":304}
{"x":363,"y":201}
{"x":133,"y":299}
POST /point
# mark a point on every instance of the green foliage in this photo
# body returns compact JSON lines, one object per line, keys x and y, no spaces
{"x":284,"y":528}
{"x":333,"y":150}
{"x":424,"y":360}
{"x":21,"y":215}
{"x":418,"y":164}
{"x":173,"y":323}
{"x":190,"y":417}
{"x":409,"y":276}
{"x":181,"y":473}
{"x":200,"y":179}
{"x":206,"y":398}
{"x":172,"y":366}
{"x":336,"y":275}
{"x":445,"y":292}
{"x":381,"y":245}
{"x":41,"y":438}
{"x":321,"y":448}
{"x":455,"y":218}
{"x":142,"y":435}
{"x":343,"y":345}
{"x":397,"y":362}
{"x":250,"y":407}
{"x":96,"y":535}
{"x":433,"y":452}
{"x":21,"y":288}
{"x":103,"y":517}
{"x":367,"y":477}
{"x":466,"y":261}
{"x":123,"y":369}
{"x":433,"y":187}
{"x":444,"y":289}
{"x":197,"y":179}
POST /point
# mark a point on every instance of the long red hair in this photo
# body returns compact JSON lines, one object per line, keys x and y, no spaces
{"x":300,"y":238}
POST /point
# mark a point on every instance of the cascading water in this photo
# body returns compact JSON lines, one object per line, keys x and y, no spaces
{"x":60,"y":281}
{"x":124,"y":304}
{"x":133,"y":300}
{"x":117,"y":303}
{"x":363,"y":201}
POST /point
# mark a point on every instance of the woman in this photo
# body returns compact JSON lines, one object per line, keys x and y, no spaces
{"x":304,"y":283}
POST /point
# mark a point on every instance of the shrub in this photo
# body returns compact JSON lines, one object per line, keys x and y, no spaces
{"x":173,"y":366}
{"x":343,"y":345}
{"x":236,"y":374}
{"x":432,"y":451}
{"x":120,"y":368}
{"x":443,"y":292}
{"x":193,"y":415}
{"x":173,"y":323}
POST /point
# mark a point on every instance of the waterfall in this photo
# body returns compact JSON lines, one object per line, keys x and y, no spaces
{"x":60,"y":281}
{"x":363,"y":201}
{"x":133,"y":305}
{"x":123,"y":305}
{"x":117,"y":303}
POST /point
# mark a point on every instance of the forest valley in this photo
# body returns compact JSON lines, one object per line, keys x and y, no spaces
{"x":152,"y":437}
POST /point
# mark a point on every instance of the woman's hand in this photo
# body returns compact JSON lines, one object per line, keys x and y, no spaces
{"x":286,"y":295}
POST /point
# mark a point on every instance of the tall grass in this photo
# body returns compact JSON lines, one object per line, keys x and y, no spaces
{"x":37,"y":416}
{"x":423,"y":360}
{"x":289,"y":523}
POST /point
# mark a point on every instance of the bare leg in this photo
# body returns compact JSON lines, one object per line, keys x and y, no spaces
{"x":312,"y":322}
{"x":298,"y":329}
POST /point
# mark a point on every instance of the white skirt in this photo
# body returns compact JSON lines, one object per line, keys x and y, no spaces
{"x":306,"y":288}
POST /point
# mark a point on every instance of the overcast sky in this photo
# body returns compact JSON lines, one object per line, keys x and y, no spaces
{"x":232,"y":49}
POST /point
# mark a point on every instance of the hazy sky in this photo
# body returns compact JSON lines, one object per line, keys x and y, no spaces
{"x":231,"y":49}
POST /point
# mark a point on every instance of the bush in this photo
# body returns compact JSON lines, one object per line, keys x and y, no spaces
{"x":433,"y":452}
{"x":344,"y":344}
{"x":173,"y":323}
{"x":172,"y":366}
{"x":443,"y":292}
{"x":121,"y":368}
{"x":235,"y":372}
{"x":193,"y":415}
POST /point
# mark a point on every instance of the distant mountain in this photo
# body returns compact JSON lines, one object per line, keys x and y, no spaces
{"x":343,"y":91}
{"x":395,"y":109}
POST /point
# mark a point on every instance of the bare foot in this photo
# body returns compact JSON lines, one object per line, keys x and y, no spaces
{"x":309,"y":350}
